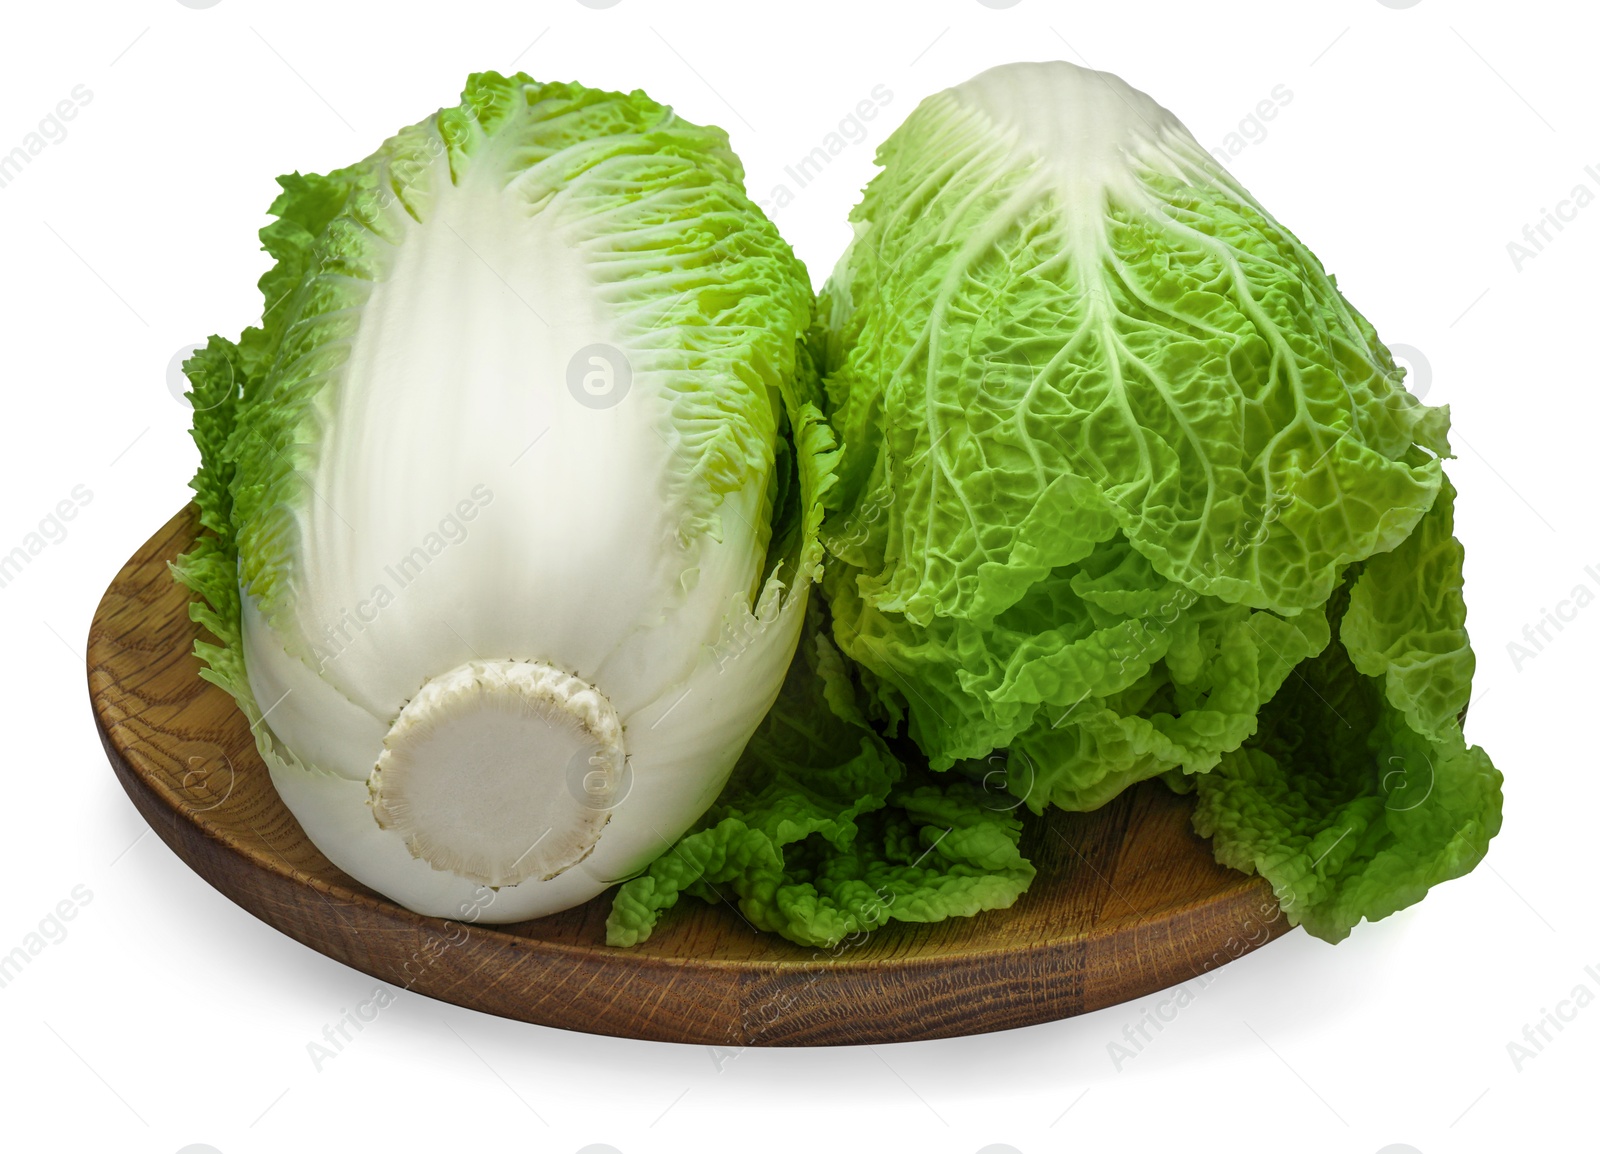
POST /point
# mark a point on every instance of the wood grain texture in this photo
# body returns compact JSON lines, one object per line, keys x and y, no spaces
{"x":1128,"y":899}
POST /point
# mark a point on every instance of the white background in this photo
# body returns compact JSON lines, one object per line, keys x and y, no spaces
{"x":1419,"y":141}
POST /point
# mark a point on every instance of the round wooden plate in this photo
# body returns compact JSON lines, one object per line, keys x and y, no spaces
{"x":1127,"y":901}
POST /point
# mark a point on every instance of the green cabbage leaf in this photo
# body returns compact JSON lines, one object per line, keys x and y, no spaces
{"x":822,"y":834}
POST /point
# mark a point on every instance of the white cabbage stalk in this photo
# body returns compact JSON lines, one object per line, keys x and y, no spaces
{"x":522,"y":549}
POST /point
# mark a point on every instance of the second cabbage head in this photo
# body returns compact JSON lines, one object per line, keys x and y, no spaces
{"x":1128,"y":489}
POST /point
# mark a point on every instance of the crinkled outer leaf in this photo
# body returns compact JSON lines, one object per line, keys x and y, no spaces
{"x":1111,"y":435}
{"x":823,"y":834}
{"x":1102,"y":675}
{"x":1359,"y":793}
{"x":225,"y":378}
{"x":1407,"y":623}
{"x":210,"y":567}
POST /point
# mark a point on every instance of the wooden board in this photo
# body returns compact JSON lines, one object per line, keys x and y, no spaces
{"x":1128,"y":899}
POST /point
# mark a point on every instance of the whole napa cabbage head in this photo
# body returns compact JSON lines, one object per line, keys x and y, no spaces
{"x":512,"y":497}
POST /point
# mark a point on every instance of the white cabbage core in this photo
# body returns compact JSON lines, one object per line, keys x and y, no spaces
{"x":500,"y":771}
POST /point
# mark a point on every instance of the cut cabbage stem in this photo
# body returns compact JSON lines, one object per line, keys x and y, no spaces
{"x":499,"y":771}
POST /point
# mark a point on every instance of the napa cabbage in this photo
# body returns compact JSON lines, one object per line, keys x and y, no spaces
{"x":510,"y":503}
{"x":1129,"y":490}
